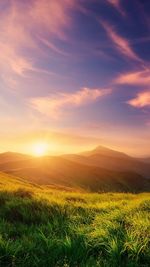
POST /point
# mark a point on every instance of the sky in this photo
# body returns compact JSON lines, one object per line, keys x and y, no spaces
{"x":75,"y":74}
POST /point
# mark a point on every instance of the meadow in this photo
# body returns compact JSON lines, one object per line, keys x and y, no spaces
{"x":43,"y":226}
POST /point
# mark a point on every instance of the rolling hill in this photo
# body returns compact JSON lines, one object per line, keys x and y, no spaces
{"x":104,"y":151}
{"x":10,"y":157}
{"x":112,"y":160}
{"x":77,"y":171}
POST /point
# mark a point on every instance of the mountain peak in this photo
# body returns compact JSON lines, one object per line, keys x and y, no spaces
{"x":105,"y":151}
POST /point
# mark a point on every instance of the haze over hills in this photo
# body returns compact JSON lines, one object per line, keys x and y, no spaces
{"x":11,"y":156}
{"x":105,"y":152}
{"x":113,"y":160}
{"x":146,"y":160}
{"x":99,"y":170}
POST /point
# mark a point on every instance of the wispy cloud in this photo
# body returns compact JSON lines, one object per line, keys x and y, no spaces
{"x":52,"y":15}
{"x":14,"y":37}
{"x":22,"y":23}
{"x":116,"y":4}
{"x":120,"y":43}
{"x":53,"y":106}
{"x":135,"y":78}
{"x":53,"y":47}
{"x":141,"y":100}
{"x":139,"y":79}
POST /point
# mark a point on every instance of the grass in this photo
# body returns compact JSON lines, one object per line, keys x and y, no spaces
{"x":44,"y":227}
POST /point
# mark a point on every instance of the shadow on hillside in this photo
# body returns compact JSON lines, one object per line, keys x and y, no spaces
{"x":21,"y":206}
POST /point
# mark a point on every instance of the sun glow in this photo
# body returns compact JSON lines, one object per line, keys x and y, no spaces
{"x":40,"y":149}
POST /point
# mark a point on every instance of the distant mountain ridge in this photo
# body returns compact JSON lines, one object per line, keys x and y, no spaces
{"x":99,"y":170}
{"x":112,"y":160}
{"x":104,"y":151}
{"x":12,"y":156}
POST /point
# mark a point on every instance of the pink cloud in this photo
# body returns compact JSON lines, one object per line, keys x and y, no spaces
{"x":15,"y":36}
{"x":141,"y":100}
{"x":22,"y":23}
{"x":120,"y":43}
{"x":53,"y":47}
{"x":135,"y":78}
{"x":116,"y":4}
{"x":53,"y":106}
{"x":139,"y":78}
{"x":53,"y":16}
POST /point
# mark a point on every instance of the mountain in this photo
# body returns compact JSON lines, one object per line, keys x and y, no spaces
{"x":112,"y":160}
{"x":61,"y":172}
{"x":104,"y":151}
{"x":146,"y":160}
{"x":11,"y":156}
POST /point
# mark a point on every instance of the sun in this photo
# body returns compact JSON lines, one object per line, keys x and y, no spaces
{"x":40,"y":149}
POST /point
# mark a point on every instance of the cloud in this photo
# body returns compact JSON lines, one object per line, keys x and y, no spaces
{"x":54,"y":105}
{"x":14,"y":36}
{"x":120,"y":43}
{"x":22,"y":24}
{"x":139,"y":79}
{"x":116,"y":4}
{"x":52,"y":15}
{"x":134,"y":78}
{"x":53,"y":47}
{"x":141,"y":100}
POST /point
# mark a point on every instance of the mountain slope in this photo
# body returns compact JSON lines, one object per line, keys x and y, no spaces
{"x":112,"y":160}
{"x":10,"y":156}
{"x":104,"y":151}
{"x":62,"y":172}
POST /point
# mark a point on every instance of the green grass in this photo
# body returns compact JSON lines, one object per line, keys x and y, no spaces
{"x":44,"y":227}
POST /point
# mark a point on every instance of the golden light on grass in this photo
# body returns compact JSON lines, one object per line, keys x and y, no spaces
{"x":39,"y":149}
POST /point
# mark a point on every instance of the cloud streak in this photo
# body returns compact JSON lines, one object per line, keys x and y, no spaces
{"x":135,"y":78}
{"x":121,"y":44}
{"x":116,"y":4}
{"x":22,"y":24}
{"x":54,"y":106}
{"x":141,"y":100}
{"x":139,"y":79}
{"x":52,"y":15}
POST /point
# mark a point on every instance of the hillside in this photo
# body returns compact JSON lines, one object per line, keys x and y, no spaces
{"x":111,"y":160}
{"x":146,"y":160}
{"x":104,"y":151}
{"x":11,"y":156}
{"x":41,"y":226}
{"x":59,"y":171}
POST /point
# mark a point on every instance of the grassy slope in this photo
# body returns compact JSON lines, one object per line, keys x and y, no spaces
{"x":40,"y":226}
